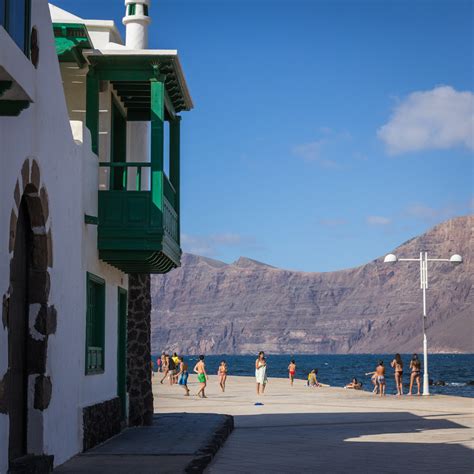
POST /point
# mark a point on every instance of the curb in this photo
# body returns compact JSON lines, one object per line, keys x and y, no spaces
{"x":205,"y":455}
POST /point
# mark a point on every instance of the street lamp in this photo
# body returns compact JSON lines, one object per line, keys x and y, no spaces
{"x":423,"y":261}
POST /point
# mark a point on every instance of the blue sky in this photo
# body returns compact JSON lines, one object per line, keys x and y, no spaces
{"x":325,"y":133}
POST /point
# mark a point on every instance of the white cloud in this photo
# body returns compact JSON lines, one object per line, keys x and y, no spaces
{"x":429,"y":214}
{"x":440,"y":118}
{"x":209,"y":245}
{"x":378,"y":220}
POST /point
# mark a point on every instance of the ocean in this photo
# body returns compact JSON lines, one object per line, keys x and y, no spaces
{"x":455,"y":370}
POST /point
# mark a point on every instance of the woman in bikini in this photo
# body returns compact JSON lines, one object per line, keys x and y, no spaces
{"x":222,"y":373}
{"x":165,"y":366}
{"x":292,"y":372}
{"x":415,"y":366}
{"x":397,"y":365}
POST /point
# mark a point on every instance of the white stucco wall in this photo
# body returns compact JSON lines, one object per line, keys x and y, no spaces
{"x":69,"y":172}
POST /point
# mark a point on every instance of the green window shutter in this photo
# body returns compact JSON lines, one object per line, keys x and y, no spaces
{"x":145,"y":10}
{"x":95,"y":325}
{"x":132,"y":8}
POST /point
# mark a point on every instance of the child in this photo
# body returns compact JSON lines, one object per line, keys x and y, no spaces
{"x":292,"y":372}
{"x":312,"y":378}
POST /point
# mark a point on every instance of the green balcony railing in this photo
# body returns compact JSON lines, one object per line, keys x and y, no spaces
{"x":138,"y":226}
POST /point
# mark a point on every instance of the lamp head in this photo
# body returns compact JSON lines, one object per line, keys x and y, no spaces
{"x":390,"y":258}
{"x":456,"y":259}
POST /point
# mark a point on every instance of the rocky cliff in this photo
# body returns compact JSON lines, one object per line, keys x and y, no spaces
{"x":207,"y":306}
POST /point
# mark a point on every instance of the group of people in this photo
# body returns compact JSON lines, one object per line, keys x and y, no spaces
{"x":378,"y":375}
{"x":175,"y":368}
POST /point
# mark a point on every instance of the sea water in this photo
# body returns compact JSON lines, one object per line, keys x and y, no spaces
{"x":456,"y":370}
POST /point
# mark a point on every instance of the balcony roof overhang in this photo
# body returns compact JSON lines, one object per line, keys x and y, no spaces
{"x":134,"y":87}
{"x":70,"y":40}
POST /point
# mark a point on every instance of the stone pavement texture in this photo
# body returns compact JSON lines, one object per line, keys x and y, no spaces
{"x":298,"y":429}
{"x":175,"y":443}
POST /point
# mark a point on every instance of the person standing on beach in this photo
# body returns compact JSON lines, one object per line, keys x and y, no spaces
{"x":165,"y":366}
{"x":158,"y":363}
{"x":200,"y":369}
{"x":397,"y":365}
{"x":222,"y":373}
{"x":183,"y":375}
{"x":292,"y":372}
{"x":171,"y":370}
{"x":380,"y":373}
{"x":261,"y":372}
{"x":415,"y":366}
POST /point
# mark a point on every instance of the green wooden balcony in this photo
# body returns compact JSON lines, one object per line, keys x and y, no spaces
{"x":138,"y":230}
{"x":138,"y":207}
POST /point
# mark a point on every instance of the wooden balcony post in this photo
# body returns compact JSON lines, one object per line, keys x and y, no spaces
{"x":92,"y":108}
{"x":175,"y":162}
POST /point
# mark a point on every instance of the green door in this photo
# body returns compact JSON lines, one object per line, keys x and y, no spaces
{"x":122,"y":351}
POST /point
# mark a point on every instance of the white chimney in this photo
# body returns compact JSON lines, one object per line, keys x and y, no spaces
{"x":136,"y":21}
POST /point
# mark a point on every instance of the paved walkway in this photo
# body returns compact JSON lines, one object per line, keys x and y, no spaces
{"x":331,"y":430}
{"x":175,"y":443}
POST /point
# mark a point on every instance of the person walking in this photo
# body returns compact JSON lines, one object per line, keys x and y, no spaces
{"x":292,"y":372}
{"x":261,"y":372}
{"x":171,"y":369}
{"x":158,"y":364}
{"x":415,"y":367}
{"x":183,"y":375}
{"x":397,"y":365}
{"x":200,"y":369}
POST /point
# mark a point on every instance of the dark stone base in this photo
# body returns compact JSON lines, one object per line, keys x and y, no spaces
{"x":204,"y":456}
{"x":30,"y":464}
{"x":101,"y":422}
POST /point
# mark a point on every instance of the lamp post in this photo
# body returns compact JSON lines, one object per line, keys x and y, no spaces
{"x":423,"y":261}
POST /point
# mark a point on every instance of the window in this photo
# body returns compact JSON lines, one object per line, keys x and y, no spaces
{"x":95,"y":325}
{"x":3,"y":4}
{"x":132,"y":8}
{"x":15,"y":18}
{"x":145,"y":10}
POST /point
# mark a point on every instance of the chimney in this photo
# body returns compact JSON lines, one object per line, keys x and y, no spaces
{"x":136,"y":21}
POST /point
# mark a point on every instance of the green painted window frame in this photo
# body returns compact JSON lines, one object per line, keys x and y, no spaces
{"x":4,"y":21}
{"x":95,"y":325}
{"x":132,"y":8}
{"x":145,"y":10}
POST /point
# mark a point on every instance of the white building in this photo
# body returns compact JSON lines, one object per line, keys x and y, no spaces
{"x":71,"y":228}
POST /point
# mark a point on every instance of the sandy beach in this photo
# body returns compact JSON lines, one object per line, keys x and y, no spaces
{"x":298,"y":428}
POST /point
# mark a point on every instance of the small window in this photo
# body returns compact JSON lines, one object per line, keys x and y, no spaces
{"x":132,"y":8}
{"x":145,"y":10}
{"x":95,"y":325}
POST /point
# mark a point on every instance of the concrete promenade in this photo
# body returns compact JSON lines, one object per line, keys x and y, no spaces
{"x":298,"y":429}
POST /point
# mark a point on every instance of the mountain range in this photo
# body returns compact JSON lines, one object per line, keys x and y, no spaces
{"x":208,"y":306}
